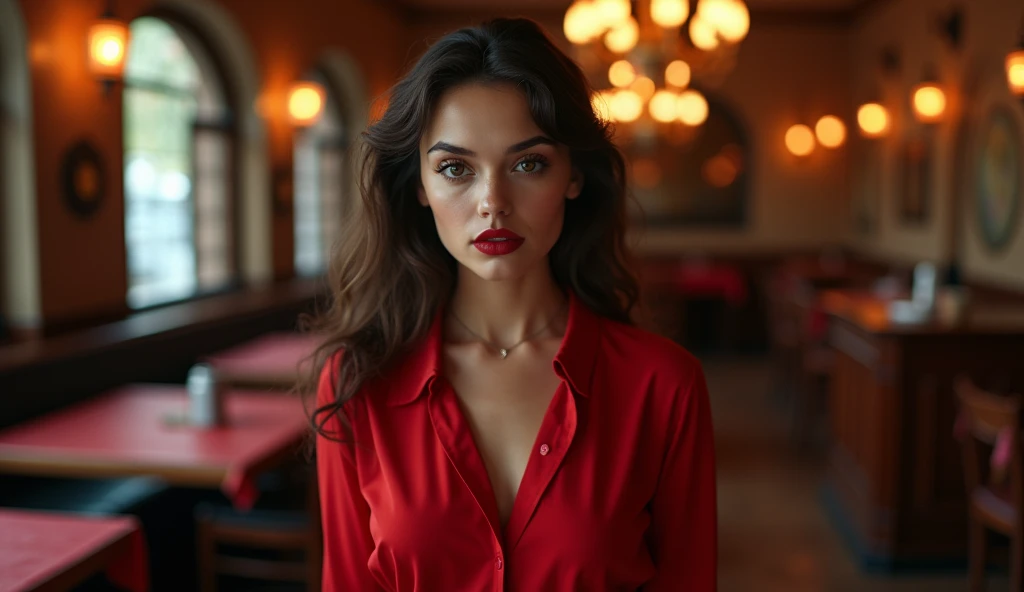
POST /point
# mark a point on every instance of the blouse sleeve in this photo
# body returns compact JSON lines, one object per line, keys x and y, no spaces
{"x":344,"y":513}
{"x":684,"y":522}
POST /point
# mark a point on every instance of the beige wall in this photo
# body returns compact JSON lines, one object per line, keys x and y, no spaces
{"x":976,"y":80}
{"x":785,"y":74}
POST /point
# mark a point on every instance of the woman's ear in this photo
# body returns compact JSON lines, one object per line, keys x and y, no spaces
{"x":421,"y":195}
{"x":575,"y":184}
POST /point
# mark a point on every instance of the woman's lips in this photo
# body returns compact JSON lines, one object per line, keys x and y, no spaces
{"x":497,"y":241}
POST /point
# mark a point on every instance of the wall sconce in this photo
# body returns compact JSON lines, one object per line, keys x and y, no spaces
{"x":108,"y":48}
{"x":1015,"y":66}
{"x":305,"y":103}
{"x":830,"y":131}
{"x":873,"y":120}
{"x":800,"y":140}
{"x":929,"y":101}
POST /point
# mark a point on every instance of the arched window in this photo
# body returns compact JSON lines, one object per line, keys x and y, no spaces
{"x":179,"y":218}
{"x":695,"y":177}
{"x":319,"y":181}
{"x":20,"y":301}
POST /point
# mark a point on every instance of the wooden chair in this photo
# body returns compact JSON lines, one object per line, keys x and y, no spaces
{"x":223,"y":533}
{"x":993,"y":474}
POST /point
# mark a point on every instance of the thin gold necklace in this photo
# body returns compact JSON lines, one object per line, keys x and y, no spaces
{"x":504,"y":350}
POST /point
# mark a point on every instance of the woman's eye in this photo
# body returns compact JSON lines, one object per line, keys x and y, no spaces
{"x":530,"y":166}
{"x":455,"y":170}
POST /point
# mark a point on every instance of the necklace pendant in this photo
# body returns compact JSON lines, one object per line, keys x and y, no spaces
{"x":504,"y":353}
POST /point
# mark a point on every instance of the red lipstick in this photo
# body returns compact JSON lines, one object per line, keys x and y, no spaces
{"x":501,"y":241}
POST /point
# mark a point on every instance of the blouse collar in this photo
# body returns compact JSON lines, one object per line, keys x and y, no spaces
{"x":574,"y":361}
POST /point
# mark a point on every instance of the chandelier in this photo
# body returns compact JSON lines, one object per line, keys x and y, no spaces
{"x":644,"y":57}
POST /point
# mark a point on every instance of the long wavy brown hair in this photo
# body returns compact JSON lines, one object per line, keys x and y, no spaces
{"x":390,"y":274}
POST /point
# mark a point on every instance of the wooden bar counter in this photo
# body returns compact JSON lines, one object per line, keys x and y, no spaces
{"x":895,"y":482}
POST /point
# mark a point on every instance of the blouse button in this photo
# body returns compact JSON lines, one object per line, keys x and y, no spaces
{"x":544,"y":449}
{"x":498,"y":563}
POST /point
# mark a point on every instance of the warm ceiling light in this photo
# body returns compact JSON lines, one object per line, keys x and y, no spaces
{"x":612,"y":12}
{"x":678,"y":74}
{"x":643,"y":86}
{"x":703,"y":34}
{"x":621,"y":74}
{"x":873,"y":120}
{"x":624,"y":37}
{"x":730,"y":18}
{"x":582,"y":23}
{"x":929,"y":102}
{"x":1015,"y":71}
{"x":669,"y":13}
{"x":626,"y":106}
{"x":831,"y":131}
{"x":663,"y":106}
{"x":692,"y":108}
{"x":305,"y":103}
{"x":800,"y":140}
{"x":108,"y":45}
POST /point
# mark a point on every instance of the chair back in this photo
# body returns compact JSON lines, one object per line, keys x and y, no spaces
{"x":993,"y":421}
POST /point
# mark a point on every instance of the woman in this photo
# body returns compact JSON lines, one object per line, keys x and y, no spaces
{"x":489,"y":418}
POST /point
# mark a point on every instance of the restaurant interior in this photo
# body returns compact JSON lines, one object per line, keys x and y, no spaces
{"x":826,"y":204}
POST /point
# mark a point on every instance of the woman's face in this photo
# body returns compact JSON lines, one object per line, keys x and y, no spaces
{"x":485,"y":166}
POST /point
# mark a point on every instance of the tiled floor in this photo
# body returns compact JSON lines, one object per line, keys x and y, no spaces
{"x":774,"y":534}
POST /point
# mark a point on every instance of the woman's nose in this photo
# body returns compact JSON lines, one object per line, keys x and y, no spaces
{"x":494,"y":201}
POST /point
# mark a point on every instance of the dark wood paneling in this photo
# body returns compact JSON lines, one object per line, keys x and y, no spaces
{"x":160,"y":345}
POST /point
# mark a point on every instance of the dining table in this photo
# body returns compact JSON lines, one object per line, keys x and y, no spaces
{"x":272,"y":361}
{"x":53,"y":551}
{"x":144,"y":429}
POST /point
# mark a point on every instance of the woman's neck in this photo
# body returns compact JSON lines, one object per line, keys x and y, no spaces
{"x":507,"y":311}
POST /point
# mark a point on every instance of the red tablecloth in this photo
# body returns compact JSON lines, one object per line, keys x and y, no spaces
{"x":269,"y":358}
{"x":36,"y":547}
{"x":722,"y":281}
{"x":140,"y":430}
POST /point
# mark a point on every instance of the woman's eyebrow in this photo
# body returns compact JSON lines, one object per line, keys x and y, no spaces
{"x":445,"y":146}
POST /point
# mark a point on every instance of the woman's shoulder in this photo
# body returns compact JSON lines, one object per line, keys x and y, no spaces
{"x":655,"y":355}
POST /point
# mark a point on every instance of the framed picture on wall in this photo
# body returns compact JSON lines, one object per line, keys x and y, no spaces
{"x":915,"y":169}
{"x":997,"y":177}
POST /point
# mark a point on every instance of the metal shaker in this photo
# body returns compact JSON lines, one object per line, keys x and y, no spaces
{"x":205,"y":396}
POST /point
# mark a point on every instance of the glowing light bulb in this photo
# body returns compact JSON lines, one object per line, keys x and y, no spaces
{"x":692,"y":108}
{"x":800,"y":140}
{"x":678,"y":74}
{"x":305,"y":103}
{"x":831,"y":131}
{"x":873,"y":120}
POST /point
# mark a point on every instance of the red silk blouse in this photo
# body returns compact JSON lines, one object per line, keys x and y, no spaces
{"x":619,"y":493}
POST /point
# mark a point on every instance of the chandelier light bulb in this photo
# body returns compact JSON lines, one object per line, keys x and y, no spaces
{"x":692,"y":108}
{"x":582,"y":23}
{"x":703,"y":34}
{"x":624,"y":37}
{"x":621,"y":74}
{"x":626,"y":106}
{"x":612,"y":12}
{"x":669,"y":13}
{"x":678,"y":74}
{"x":663,"y":106}
{"x":734,"y":22}
{"x":643,"y":86}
